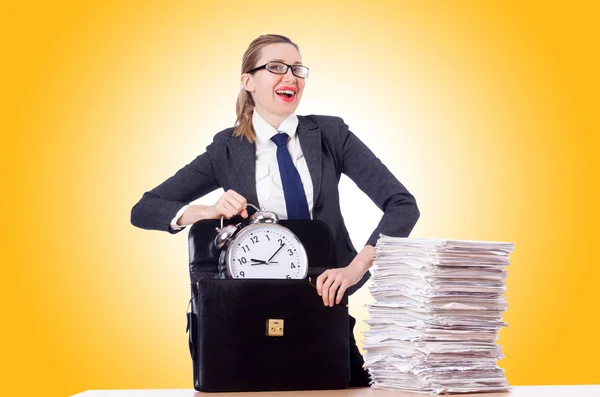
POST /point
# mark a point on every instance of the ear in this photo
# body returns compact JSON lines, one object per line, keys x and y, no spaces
{"x":247,"y":82}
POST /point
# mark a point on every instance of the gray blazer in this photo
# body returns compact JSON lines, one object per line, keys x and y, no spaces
{"x":330,"y":149}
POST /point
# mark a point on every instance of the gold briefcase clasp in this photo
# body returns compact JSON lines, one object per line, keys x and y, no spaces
{"x":275,"y":327}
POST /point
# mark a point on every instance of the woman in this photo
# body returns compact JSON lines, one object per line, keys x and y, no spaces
{"x":287,"y":164}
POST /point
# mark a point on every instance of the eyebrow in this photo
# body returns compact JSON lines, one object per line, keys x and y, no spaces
{"x":282,"y":61}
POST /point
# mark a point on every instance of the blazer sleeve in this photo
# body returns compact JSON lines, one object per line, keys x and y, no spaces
{"x":157,"y":207}
{"x":400,"y":211}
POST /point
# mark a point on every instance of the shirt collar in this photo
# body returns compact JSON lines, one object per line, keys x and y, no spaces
{"x":264,"y":131}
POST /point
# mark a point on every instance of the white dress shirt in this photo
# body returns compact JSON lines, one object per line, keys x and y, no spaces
{"x":269,"y":189}
{"x":268,"y":181}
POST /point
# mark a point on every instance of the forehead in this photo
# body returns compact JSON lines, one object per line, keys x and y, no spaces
{"x":280,"y":51}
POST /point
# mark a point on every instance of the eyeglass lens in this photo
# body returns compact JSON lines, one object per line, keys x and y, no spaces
{"x":281,"y":68}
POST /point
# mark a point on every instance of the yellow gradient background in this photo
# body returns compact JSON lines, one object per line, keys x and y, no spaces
{"x":486,"y":110}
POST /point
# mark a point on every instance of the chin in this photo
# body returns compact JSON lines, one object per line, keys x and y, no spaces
{"x":288,"y":109}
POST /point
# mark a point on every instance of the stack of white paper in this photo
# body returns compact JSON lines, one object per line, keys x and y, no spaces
{"x":438,"y":310}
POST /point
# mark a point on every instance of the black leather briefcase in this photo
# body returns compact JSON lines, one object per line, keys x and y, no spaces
{"x":256,"y":335}
{"x":265,"y":334}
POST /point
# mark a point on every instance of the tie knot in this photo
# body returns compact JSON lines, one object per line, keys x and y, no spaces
{"x":280,"y":139}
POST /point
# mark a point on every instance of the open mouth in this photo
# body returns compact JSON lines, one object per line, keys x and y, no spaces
{"x":286,"y":94}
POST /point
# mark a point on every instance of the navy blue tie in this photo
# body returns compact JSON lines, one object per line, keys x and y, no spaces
{"x":293,"y":191}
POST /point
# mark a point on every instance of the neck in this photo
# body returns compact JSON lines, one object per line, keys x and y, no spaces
{"x":273,"y":119}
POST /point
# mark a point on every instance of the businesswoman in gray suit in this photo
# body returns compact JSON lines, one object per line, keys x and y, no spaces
{"x":288,"y":164}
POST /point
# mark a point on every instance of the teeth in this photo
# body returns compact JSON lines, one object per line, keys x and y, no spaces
{"x":288,"y":92}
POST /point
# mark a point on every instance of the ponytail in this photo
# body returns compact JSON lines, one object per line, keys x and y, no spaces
{"x":243,"y":110}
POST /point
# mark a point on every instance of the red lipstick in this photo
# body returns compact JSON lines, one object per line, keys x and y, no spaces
{"x":286,"y":93}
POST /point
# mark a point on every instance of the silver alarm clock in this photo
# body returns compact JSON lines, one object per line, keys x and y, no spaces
{"x":263,"y":249}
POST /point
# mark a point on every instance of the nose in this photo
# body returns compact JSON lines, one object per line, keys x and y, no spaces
{"x":289,"y":76}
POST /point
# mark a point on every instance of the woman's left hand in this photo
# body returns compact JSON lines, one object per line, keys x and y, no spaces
{"x":332,"y":283}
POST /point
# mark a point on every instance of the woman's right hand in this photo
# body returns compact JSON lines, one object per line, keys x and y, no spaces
{"x":230,"y":204}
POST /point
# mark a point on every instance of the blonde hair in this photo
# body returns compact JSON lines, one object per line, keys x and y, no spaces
{"x":245,"y":103}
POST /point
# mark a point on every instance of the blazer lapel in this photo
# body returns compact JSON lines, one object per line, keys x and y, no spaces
{"x":243,"y":156}
{"x":310,"y":142}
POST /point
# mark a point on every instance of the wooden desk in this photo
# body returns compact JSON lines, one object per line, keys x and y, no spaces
{"x":517,"y":391}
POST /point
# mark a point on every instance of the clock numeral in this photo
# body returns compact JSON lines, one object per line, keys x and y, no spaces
{"x":288,"y":277}
{"x":280,"y":241}
{"x":254,"y":239}
{"x":290,"y":251}
{"x":293,"y":266}
{"x":246,"y":248}
{"x":242,"y":260}
{"x":242,"y":274}
{"x":267,"y":236}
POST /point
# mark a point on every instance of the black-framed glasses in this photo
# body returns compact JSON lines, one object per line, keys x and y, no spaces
{"x":282,"y":68}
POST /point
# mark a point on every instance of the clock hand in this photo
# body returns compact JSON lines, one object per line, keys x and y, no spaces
{"x":259,"y":262}
{"x":276,"y":252}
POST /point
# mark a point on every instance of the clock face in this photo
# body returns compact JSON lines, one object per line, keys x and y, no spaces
{"x":266,"y":250}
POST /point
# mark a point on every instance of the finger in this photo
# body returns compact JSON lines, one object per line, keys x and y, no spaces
{"x":233,"y":203}
{"x":222,"y":209}
{"x":326,"y":286}
{"x":332,"y":290}
{"x":320,"y":281}
{"x":228,"y":210}
{"x":241,"y":199}
{"x":341,"y":291}
{"x":235,"y":200}
{"x":239,"y":203}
